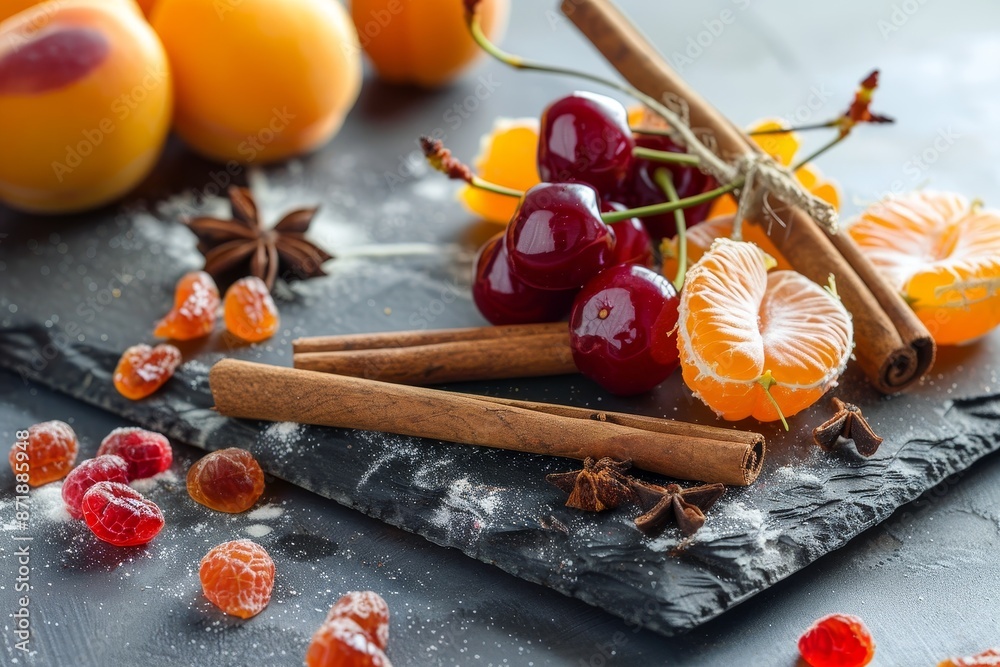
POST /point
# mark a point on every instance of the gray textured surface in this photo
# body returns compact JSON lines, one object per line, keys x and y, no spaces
{"x":936,"y":79}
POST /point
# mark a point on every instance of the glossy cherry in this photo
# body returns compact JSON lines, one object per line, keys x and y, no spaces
{"x":632,"y":242}
{"x":585,"y":138}
{"x":556,"y":239}
{"x":641,"y":190}
{"x":502,"y":298}
{"x":621,"y":329}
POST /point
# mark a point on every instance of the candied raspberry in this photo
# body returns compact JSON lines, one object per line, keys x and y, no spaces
{"x":147,"y":453}
{"x":196,"y":302}
{"x":368,"y":610}
{"x":228,"y":480}
{"x":143,"y":369}
{"x":988,"y":658}
{"x":46,"y":455}
{"x":120,"y":515}
{"x":107,"y":468}
{"x":249,"y":310}
{"x":837,"y":640}
{"x":237,"y":577}
{"x":343,"y":643}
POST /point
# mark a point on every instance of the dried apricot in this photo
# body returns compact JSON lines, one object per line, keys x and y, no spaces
{"x":837,"y":640}
{"x":237,"y":577}
{"x":120,"y":515}
{"x":196,"y":302}
{"x":46,"y":455}
{"x":368,"y":610}
{"x":106,"y":468}
{"x":146,"y":452}
{"x":341,"y":642}
{"x":250,"y":312}
{"x":229,"y":480}
{"x":143,"y":369}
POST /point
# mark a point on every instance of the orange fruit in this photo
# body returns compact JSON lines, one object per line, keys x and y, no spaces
{"x":745,"y":333}
{"x":423,"y":43}
{"x":700,"y":238}
{"x":508,"y":157}
{"x":943,"y":255}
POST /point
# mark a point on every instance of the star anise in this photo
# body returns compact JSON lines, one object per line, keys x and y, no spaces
{"x":242,"y":246}
{"x":685,"y":506}
{"x":598,"y":486}
{"x":848,"y":423}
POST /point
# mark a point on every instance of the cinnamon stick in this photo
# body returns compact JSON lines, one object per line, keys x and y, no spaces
{"x":256,"y":391}
{"x":453,"y":361}
{"x":893,"y":348}
{"x":386,"y":339}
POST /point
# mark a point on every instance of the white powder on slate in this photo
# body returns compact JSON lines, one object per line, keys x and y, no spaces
{"x":281,"y":437}
{"x":147,"y":484}
{"x":463,"y":497}
{"x":257,"y":530}
{"x":47,"y":503}
{"x":265,"y":513}
{"x":797,"y":473}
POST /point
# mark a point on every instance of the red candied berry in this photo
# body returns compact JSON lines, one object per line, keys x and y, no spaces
{"x":341,"y":642}
{"x":368,"y":610}
{"x":147,"y":453}
{"x":107,"y":468}
{"x":120,"y":515}
{"x":837,"y":640}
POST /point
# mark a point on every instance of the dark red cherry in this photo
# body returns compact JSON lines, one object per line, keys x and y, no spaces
{"x":503,"y":299}
{"x":556,"y":239}
{"x":641,"y":190}
{"x":621,"y":329}
{"x":585,"y":138}
{"x":632,"y":242}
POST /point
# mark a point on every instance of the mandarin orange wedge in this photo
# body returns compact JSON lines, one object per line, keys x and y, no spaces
{"x":758,"y":344}
{"x":700,"y":238}
{"x":943,"y":255}
{"x":507,"y":156}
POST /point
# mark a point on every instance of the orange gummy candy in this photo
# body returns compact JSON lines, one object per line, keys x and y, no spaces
{"x":196,"y":301}
{"x":988,"y":658}
{"x":47,"y":454}
{"x":237,"y":577}
{"x":249,"y":310}
{"x":229,"y":480}
{"x":341,"y":642}
{"x":143,"y":369}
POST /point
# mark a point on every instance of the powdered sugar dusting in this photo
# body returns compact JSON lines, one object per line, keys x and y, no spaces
{"x":477,"y":502}
{"x":48,"y":503}
{"x":147,"y":484}
{"x":257,"y":530}
{"x":282,"y":437}
{"x":265,"y":513}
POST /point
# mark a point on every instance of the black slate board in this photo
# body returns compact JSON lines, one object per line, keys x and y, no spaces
{"x":492,"y":505}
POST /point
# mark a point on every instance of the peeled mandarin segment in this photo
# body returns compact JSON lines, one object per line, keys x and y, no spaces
{"x":701,"y":237}
{"x":507,"y":156}
{"x":49,"y":454}
{"x":249,"y":310}
{"x":943,"y":256}
{"x":103,"y":61}
{"x":143,"y":369}
{"x":427,"y":44}
{"x":258,"y":80}
{"x":196,"y":301}
{"x":227,"y":480}
{"x":238,"y":577}
{"x":738,"y":323}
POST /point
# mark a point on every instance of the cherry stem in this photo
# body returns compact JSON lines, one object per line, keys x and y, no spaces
{"x":669,"y":157}
{"x":797,"y":128}
{"x":767,"y":381}
{"x":822,"y":149}
{"x":667,"y":207}
{"x":483,"y":184}
{"x":666,"y":183}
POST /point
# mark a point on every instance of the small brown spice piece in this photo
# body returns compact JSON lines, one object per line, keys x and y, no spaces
{"x":849,"y":423}
{"x":598,"y":486}
{"x":686,"y":506}
{"x":242,"y":246}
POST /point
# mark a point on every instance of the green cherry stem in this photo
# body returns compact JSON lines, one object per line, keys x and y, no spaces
{"x":667,"y":207}
{"x":819,"y":151}
{"x":483,"y":184}
{"x":798,"y":128}
{"x":669,"y":157}
{"x":666,"y":183}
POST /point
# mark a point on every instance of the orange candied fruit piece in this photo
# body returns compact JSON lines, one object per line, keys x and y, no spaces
{"x":354,"y":634}
{"x":238,"y":577}
{"x":143,"y":369}
{"x":508,"y":156}
{"x":249,"y":310}
{"x":988,"y":658}
{"x":227,"y":480}
{"x":368,"y":610}
{"x":196,"y":302}
{"x":45,"y":454}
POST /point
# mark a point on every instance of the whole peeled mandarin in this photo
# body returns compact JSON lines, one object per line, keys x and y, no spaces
{"x":9,"y":8}
{"x":259,"y":80}
{"x":85,"y":104}
{"x":423,"y":43}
